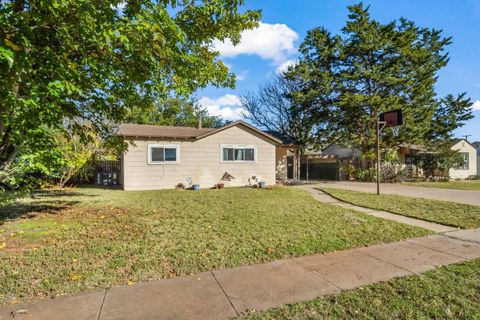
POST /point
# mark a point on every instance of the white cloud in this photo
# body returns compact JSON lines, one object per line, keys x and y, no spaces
{"x":476,"y":105}
{"x":227,"y":106}
{"x":270,"y":41}
{"x":284,"y":66}
{"x":242,"y":75}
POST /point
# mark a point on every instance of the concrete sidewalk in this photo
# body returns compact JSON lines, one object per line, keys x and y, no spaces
{"x":461,"y":196}
{"x":221,"y":294}
{"x":326,"y":198}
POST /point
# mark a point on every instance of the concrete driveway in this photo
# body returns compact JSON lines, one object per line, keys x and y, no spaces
{"x":461,"y":196}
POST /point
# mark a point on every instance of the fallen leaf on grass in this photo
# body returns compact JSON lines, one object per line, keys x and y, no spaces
{"x":75,"y":277}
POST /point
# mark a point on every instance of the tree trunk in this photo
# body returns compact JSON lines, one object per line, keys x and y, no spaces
{"x":7,"y":161}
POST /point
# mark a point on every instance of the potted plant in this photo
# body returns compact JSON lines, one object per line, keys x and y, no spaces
{"x":226,"y":177}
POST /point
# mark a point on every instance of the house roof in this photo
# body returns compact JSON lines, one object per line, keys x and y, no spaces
{"x":285,"y":139}
{"x":455,"y":141}
{"x":175,"y":132}
{"x":412,"y":146}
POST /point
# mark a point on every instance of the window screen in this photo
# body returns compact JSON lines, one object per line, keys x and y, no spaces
{"x":157,"y":154}
{"x":170,"y":154}
{"x":228,"y":154}
{"x":250,"y":154}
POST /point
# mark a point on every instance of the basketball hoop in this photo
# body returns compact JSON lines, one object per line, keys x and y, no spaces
{"x":395,"y":131}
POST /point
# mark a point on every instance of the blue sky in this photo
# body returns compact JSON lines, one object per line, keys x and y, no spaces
{"x":284,"y":24}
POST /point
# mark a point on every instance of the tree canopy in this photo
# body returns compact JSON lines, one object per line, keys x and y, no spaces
{"x":273,"y":108}
{"x":178,"y":111}
{"x":345,"y":81}
{"x":93,"y":61}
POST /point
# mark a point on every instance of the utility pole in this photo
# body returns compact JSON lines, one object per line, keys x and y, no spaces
{"x":466,"y":136}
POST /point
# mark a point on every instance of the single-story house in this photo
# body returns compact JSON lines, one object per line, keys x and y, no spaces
{"x":469,"y":154}
{"x":160,"y":157}
{"x":406,"y":152}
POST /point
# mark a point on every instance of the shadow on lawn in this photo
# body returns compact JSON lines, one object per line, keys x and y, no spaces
{"x":30,"y":210}
{"x":43,"y":201}
{"x":56,"y":193}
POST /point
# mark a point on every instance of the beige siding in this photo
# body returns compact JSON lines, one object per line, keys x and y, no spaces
{"x":200,"y":161}
{"x":463,"y":146}
{"x":281,"y":160}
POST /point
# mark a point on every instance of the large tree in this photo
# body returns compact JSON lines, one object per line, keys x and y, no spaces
{"x":349,"y":79}
{"x":94,"y":60}
{"x":273,"y":108}
{"x":178,"y":111}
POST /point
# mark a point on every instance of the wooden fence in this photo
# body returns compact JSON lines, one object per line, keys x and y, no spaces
{"x":108,"y":166}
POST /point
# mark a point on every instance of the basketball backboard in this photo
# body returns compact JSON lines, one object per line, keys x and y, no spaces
{"x":392,"y":118}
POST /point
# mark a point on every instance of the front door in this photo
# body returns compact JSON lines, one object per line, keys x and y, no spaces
{"x":290,"y":167}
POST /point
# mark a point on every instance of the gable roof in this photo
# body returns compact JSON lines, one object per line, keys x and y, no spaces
{"x":455,"y":141}
{"x":173,"y":132}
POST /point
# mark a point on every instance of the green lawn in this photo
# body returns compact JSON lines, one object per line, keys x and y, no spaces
{"x":451,"y":292}
{"x":444,"y":212}
{"x":460,"y":185}
{"x":69,"y":241}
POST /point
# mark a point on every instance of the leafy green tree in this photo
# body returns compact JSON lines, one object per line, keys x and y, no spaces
{"x":177,"y":111}
{"x":93,"y":60}
{"x":348,"y":80}
{"x":450,"y":114}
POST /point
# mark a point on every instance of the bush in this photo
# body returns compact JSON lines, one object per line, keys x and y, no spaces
{"x":436,"y":165}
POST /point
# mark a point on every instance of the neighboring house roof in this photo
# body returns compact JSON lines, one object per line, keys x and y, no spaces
{"x":455,"y":141}
{"x":476,"y":144}
{"x":285,"y":139}
{"x":412,"y":146}
{"x":175,"y":132}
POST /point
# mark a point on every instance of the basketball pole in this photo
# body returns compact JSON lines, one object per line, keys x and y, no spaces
{"x":378,"y":130}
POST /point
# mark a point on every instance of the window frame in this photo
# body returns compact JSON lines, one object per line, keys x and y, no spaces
{"x":466,"y":164}
{"x":164,"y":146}
{"x":238,"y":146}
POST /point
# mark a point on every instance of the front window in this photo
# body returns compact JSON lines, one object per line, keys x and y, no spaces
{"x":163,"y":154}
{"x":465,"y":157}
{"x":238,"y":153}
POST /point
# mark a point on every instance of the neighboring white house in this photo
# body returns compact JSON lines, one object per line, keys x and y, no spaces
{"x":477,"y":146}
{"x":160,"y":157}
{"x":407,"y":152}
{"x":469,"y":154}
